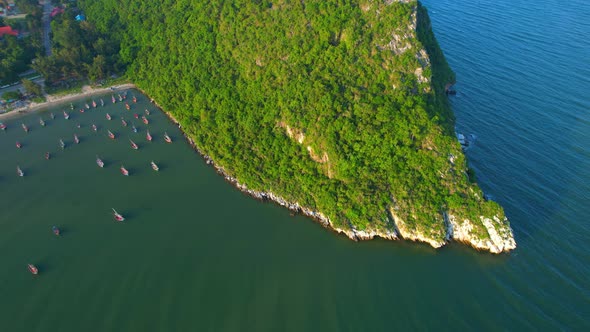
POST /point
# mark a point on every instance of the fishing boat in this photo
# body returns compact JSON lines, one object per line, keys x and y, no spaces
{"x":18,"y":145}
{"x":47,"y":155}
{"x":52,"y":115}
{"x":167,"y":138}
{"x":147,"y":112}
{"x":111,"y":135}
{"x":94,"y":127}
{"x":87,"y":106}
{"x":93,"y":103}
{"x":127,"y":106}
{"x":33,"y":269}
{"x":108,"y":116}
{"x":2,"y":126}
{"x":25,"y":128}
{"x":154,"y":166}
{"x":136,"y":115}
{"x":76,"y":139}
{"x":123,"y":122}
{"x":113,"y":99}
{"x":101,"y":102}
{"x":134,"y":99}
{"x":148,"y":136}
{"x":133,"y":145}
{"x":99,"y":162}
{"x":55,"y":230}
{"x":145,"y":120}
{"x":118,"y":217}
{"x":124,"y":171}
{"x":62,"y":144}
{"x":19,"y":171}
{"x":66,"y":115}
{"x":41,"y":122}
{"x":133,"y":128}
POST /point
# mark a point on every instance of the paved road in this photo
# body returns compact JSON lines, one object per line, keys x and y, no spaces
{"x":47,"y":8}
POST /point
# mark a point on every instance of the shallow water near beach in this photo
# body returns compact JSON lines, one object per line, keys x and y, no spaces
{"x":196,"y":254}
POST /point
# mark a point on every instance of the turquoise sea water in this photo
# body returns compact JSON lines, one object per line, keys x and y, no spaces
{"x":197,"y":255}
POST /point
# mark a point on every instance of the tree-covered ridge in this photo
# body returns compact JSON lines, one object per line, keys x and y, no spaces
{"x":337,"y":105}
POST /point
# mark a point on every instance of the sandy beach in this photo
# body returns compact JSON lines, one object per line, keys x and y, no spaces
{"x":54,"y":100}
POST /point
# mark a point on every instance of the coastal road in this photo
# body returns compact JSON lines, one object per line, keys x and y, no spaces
{"x":47,"y":8}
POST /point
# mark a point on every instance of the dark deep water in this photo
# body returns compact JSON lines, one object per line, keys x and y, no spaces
{"x":196,"y":254}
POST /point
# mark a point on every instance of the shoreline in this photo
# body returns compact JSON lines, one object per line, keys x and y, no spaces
{"x":55,"y":100}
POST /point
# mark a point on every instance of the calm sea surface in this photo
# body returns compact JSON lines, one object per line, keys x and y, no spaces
{"x":196,"y":254}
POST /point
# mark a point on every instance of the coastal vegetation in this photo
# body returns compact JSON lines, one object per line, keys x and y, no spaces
{"x":339,"y":106}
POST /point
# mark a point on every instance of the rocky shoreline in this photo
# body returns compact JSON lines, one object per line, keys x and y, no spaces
{"x":496,"y":245}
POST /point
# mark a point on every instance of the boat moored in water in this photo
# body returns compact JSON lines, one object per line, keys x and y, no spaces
{"x":52,"y":115}
{"x":66,"y":115}
{"x":33,"y":269}
{"x":123,"y":122}
{"x":113,"y":99}
{"x":111,"y":135}
{"x":118,"y":216}
{"x":55,"y":230}
{"x":2,"y":126}
{"x":19,"y":171}
{"x":94,"y":127}
{"x":133,"y":128}
{"x":47,"y":155}
{"x":147,"y":112}
{"x":99,"y":162}
{"x":18,"y":145}
{"x":134,"y":99}
{"x":154,"y":166}
{"x":41,"y":122}
{"x":108,"y":116}
{"x":93,"y":103}
{"x":145,"y":120}
{"x":167,"y":138}
{"x":87,"y":106}
{"x":136,"y":115}
{"x":124,"y":171}
{"x":76,"y":139}
{"x":148,"y":136}
{"x":25,"y":128}
{"x":133,"y":145}
{"x":101,"y":102}
{"x":62,"y":144}
{"x":127,"y":106}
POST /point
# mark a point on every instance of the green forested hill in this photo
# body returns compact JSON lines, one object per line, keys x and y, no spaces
{"x":337,"y":105}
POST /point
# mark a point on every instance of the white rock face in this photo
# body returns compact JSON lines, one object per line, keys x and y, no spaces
{"x":501,"y":238}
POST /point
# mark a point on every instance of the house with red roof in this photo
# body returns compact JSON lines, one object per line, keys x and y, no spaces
{"x":7,"y":30}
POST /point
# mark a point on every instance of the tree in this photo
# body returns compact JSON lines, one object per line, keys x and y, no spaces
{"x":32,"y":87}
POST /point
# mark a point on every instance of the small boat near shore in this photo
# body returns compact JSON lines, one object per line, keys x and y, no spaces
{"x":55,"y":230}
{"x":41,"y":122}
{"x":123,"y":122}
{"x":93,"y":103}
{"x":99,"y":162}
{"x":66,"y":115}
{"x":113,"y":99}
{"x":101,"y":102}
{"x":147,"y":112}
{"x":81,"y":110}
{"x":52,"y":115}
{"x":133,"y":145}
{"x":19,"y":171}
{"x":148,"y":136}
{"x":25,"y":128}
{"x":133,"y":128}
{"x":145,"y":120}
{"x":127,"y":106}
{"x":124,"y":171}
{"x":62,"y":144}
{"x":154,"y":166}
{"x":108,"y":116}
{"x":167,"y":138}
{"x":134,"y":99}
{"x":94,"y":128}
{"x":76,"y":139}
{"x":18,"y":145}
{"x":87,"y":106}
{"x":118,"y":216}
{"x":2,"y":126}
{"x":71,"y":106}
{"x":33,"y":269}
{"x":111,"y":135}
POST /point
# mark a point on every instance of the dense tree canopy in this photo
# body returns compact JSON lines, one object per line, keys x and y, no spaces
{"x":333,"y":104}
